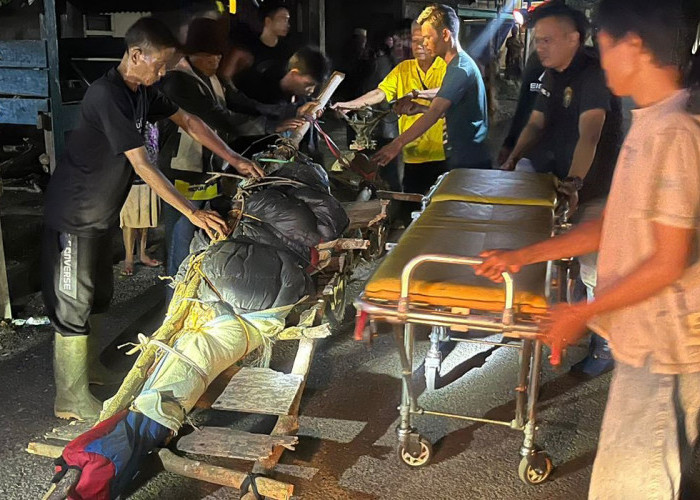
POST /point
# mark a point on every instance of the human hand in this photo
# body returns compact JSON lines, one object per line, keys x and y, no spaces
{"x":210,"y":221}
{"x":503,"y":155}
{"x":407,"y":106}
{"x":387,"y":153}
{"x":563,"y":326}
{"x":496,"y":262}
{"x":290,"y":124}
{"x":508,"y":164}
{"x":248,"y":168}
{"x":570,"y":190}
{"x":307,"y":109}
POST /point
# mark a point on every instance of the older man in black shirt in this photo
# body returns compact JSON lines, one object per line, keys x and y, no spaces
{"x":576,"y":125}
{"x":86,"y":193}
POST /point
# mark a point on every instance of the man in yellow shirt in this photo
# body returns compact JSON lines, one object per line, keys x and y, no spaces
{"x":424,"y":158}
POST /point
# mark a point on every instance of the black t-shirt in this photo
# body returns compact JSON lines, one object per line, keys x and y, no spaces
{"x":93,"y":178}
{"x":264,"y":55}
{"x":263,"y":83}
{"x":563,"y":98}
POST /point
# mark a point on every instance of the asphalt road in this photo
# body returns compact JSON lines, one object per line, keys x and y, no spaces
{"x":347,"y":438}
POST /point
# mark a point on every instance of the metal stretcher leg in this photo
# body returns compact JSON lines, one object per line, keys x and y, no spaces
{"x":535,"y":465}
{"x":413,"y":450}
{"x":521,"y":391}
{"x":433,"y":359}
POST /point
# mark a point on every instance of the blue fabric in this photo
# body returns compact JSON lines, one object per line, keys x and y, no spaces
{"x":179,"y":232}
{"x":467,"y":117}
{"x":129,"y":442}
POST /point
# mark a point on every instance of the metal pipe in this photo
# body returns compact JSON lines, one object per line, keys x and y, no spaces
{"x":521,"y":391}
{"x":413,"y":264}
{"x":390,"y":313}
{"x":463,"y":417}
{"x":486,"y":342}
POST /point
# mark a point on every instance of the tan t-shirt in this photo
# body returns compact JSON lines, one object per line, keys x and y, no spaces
{"x":657,"y":179}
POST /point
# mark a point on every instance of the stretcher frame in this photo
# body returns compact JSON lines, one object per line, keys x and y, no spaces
{"x":519,"y":332}
{"x":414,"y":449}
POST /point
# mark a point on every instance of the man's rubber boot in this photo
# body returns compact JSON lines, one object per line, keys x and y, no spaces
{"x":70,"y":370}
{"x":98,"y":373}
{"x":598,"y":361}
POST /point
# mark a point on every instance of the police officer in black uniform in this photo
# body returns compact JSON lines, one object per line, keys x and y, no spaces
{"x":576,"y":126}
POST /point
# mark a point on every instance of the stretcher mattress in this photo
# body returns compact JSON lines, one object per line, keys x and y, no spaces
{"x":497,"y":187}
{"x":465,"y":229}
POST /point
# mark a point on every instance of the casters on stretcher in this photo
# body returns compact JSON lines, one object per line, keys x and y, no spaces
{"x":535,"y":468}
{"x":414,"y":450}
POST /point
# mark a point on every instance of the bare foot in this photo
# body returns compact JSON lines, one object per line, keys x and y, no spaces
{"x":127,"y":268}
{"x":147,"y":261}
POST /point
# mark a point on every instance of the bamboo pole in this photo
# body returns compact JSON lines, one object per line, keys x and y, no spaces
{"x":331,"y":86}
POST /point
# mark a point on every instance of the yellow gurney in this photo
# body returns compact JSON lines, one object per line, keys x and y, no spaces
{"x":427,"y":279}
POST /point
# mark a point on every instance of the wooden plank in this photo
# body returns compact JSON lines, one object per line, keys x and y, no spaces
{"x":342,"y":244}
{"x":260,"y":390}
{"x":69,"y":431}
{"x":363,"y":214}
{"x":45,"y":450}
{"x":24,"y":82}
{"x":289,"y":424}
{"x":22,"y":111}
{"x":23,"y":54}
{"x":230,"y":443}
{"x":393,"y":195}
{"x":222,"y":476}
{"x":315,"y":332}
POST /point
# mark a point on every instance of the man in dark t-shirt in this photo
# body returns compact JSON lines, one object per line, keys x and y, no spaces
{"x":270,"y":49}
{"x":576,"y":126}
{"x":296,"y":78}
{"x":86,"y":193}
{"x":461,"y":98}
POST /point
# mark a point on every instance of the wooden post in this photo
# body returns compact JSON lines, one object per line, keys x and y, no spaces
{"x":5,"y":308}
{"x":222,"y":476}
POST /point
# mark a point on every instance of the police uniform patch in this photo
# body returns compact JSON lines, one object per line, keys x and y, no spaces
{"x":568,"y":95}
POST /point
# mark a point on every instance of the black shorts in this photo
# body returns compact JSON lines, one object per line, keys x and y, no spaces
{"x":76,"y":279}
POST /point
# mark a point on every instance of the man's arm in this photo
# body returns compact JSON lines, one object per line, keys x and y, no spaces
{"x":590,"y":126}
{"x":528,"y":138}
{"x":583,"y":239}
{"x":371,"y":98}
{"x":429,"y":94}
{"x":567,"y":324}
{"x":201,"y":133}
{"x":205,"y":219}
{"x":436,"y":110}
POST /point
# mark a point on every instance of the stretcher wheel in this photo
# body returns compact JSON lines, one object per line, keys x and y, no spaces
{"x":422,"y":457}
{"x":536,"y":468}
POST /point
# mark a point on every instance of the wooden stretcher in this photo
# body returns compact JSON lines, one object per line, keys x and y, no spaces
{"x":259,"y":390}
{"x":428,"y":279}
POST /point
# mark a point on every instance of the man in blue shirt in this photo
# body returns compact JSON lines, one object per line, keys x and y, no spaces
{"x":461,"y":98}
